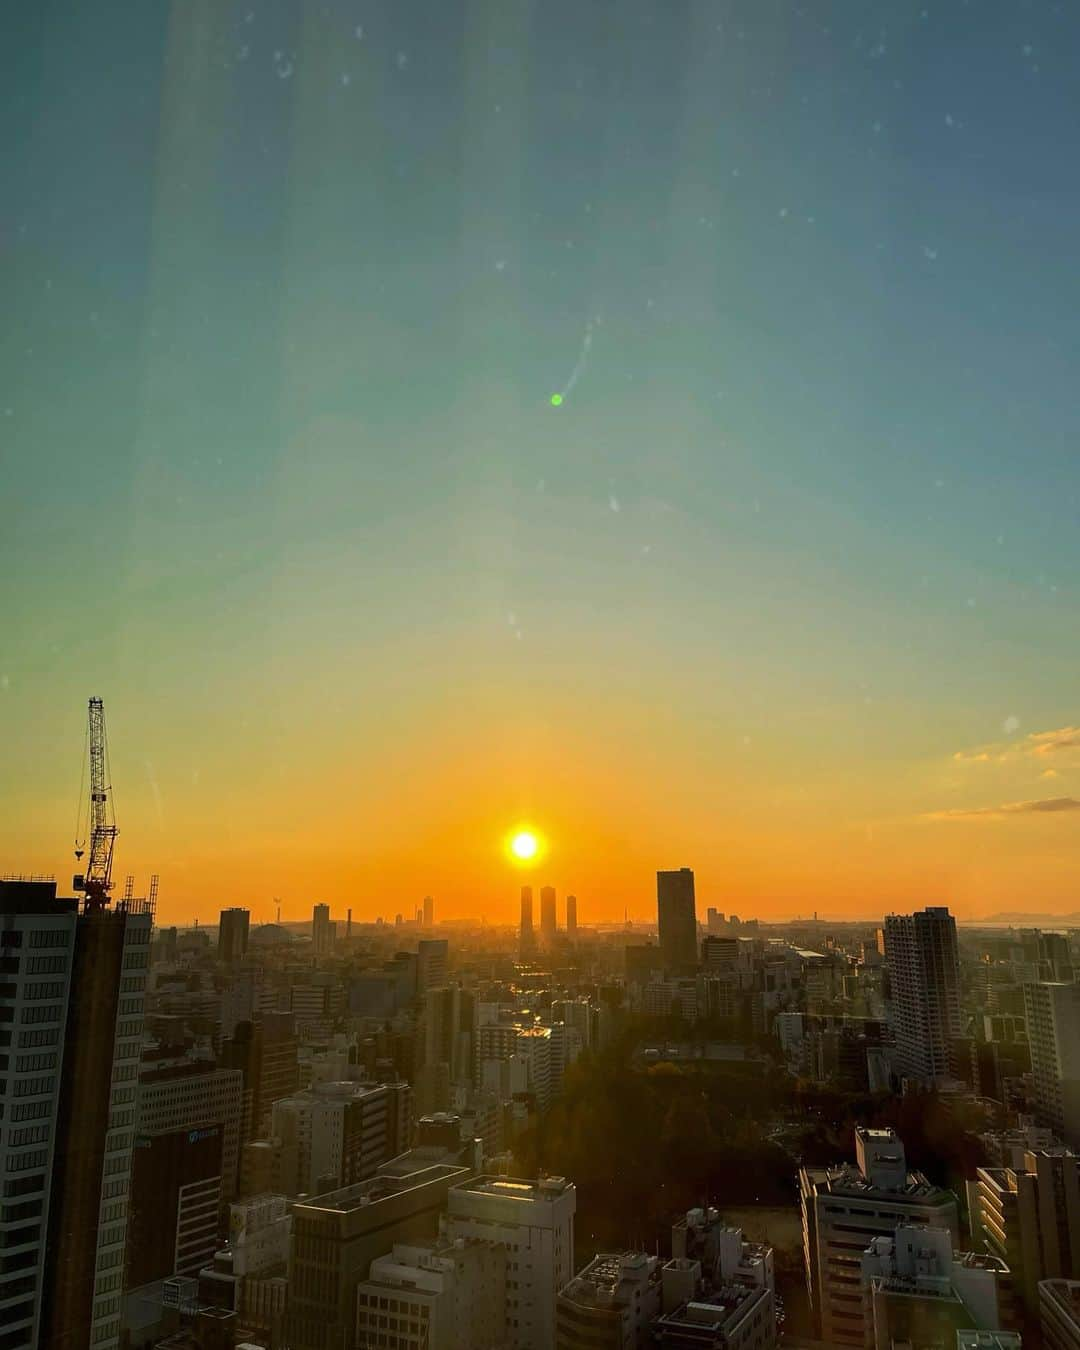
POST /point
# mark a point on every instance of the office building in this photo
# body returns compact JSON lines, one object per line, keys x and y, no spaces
{"x":335,"y":1238}
{"x":924,"y":992}
{"x":336,"y":1134}
{"x":450,"y":1032}
{"x":549,"y":925}
{"x":437,"y":1295}
{"x":534,"y":1220}
{"x":720,"y":1307}
{"x":1053,"y":1031}
{"x":917,"y":1290}
{"x":233,"y":928}
{"x":323,"y":931}
{"x":249,"y":1275}
{"x":37,"y":938}
{"x":175,"y":1203}
{"x":714,"y":920}
{"x":429,"y":912}
{"x":610,"y":1304}
{"x":194,"y":1094}
{"x":844,"y":1208}
{"x":677,"y":919}
{"x":432,"y":964}
{"x":720,"y":955}
{"x":95,"y":1118}
{"x":527,"y":939}
{"x":1059,"y":1314}
{"x":266,"y":1051}
{"x":1029,"y":1217}
{"x":703,"y":1237}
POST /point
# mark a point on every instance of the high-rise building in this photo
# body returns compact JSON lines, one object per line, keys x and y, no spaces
{"x":924,"y":981}
{"x":95,"y":1123}
{"x":719,"y":955}
{"x":1029,"y":1217}
{"x":528,"y":937}
{"x":322,"y":931}
{"x":677,"y":919}
{"x":339,"y":1133}
{"x":535,"y":1221}
{"x":571,"y":918}
{"x":549,"y":926}
{"x":844,"y":1209}
{"x":266,"y":1053}
{"x":335,"y":1238}
{"x":175,"y":1203}
{"x":37,"y":937}
{"x":432,"y":964}
{"x":194,"y":1094}
{"x":233,"y":928}
{"x":450,"y":1031}
{"x":1053,"y":1032}
{"x":429,"y":911}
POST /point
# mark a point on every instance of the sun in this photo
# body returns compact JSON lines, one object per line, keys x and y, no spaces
{"x":524,"y":845}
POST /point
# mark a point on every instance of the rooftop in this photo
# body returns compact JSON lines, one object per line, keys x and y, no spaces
{"x":846,"y":1179}
{"x":610,"y":1279}
{"x":364,"y":1193}
{"x":513,"y":1188}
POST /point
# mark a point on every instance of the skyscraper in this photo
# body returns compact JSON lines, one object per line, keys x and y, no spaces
{"x":924,"y":981}
{"x":432,"y":963}
{"x":37,"y":934}
{"x":91,"y":1175}
{"x":233,"y":927}
{"x":322,"y":930}
{"x":429,"y":912}
{"x":1053,"y":1031}
{"x":528,"y":938}
{"x":571,"y":917}
{"x":677,"y":918}
{"x":549,"y":926}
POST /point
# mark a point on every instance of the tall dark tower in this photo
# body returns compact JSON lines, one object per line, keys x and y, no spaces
{"x":528,"y":937}
{"x":677,"y":919}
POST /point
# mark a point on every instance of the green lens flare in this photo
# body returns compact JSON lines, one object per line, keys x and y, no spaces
{"x":556,"y":400}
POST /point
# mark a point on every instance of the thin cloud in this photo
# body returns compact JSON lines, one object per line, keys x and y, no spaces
{"x":1036,"y":744}
{"x":1042,"y":806}
{"x":1052,"y":742}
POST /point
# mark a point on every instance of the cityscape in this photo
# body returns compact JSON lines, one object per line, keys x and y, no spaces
{"x":701,"y":1133}
{"x":540,"y":543}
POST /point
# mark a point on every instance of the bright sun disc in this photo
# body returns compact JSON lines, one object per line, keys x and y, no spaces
{"x":523,"y":845}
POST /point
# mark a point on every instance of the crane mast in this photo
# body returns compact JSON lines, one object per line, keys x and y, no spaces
{"x":96,"y":881}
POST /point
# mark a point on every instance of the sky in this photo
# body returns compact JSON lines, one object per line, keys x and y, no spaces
{"x":784,"y":590}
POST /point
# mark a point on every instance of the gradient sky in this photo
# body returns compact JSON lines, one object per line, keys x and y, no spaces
{"x":785,"y":591}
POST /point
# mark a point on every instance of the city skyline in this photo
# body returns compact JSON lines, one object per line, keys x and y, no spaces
{"x":783,"y":588}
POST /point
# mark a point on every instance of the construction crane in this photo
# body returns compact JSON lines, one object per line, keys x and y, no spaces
{"x":99,"y":824}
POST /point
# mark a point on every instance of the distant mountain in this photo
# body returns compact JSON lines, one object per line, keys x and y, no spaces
{"x":1026,"y":918}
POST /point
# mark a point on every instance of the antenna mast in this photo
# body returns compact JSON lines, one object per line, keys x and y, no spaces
{"x":96,"y":882}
